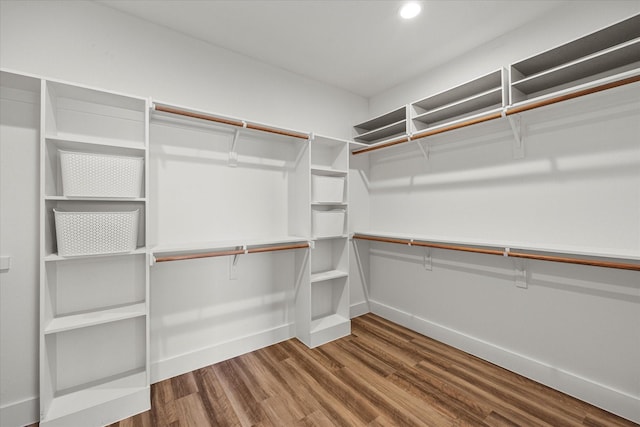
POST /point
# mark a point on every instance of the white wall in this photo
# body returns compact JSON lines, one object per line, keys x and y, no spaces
{"x":19,"y":296}
{"x":578,"y":188}
{"x":89,"y":44}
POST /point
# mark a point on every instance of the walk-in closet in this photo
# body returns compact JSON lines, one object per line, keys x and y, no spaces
{"x":319,"y":213}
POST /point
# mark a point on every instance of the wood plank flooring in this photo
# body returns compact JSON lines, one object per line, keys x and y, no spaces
{"x":381,"y":375}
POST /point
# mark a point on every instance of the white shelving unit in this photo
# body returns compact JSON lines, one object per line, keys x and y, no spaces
{"x":383,"y":127}
{"x":610,"y":53}
{"x":323,"y":304}
{"x":475,"y":98}
{"x":90,"y":303}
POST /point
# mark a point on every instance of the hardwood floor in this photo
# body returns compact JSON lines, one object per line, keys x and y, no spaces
{"x":381,"y":375}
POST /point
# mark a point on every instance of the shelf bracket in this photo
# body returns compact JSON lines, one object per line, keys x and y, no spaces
{"x":233,"y":263}
{"x":426,"y":152}
{"x":233,"y":154}
{"x":520,"y":268}
{"x":516,"y":127}
{"x":426,"y":260}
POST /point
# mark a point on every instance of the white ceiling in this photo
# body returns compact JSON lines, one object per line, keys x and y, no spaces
{"x":361,"y":46}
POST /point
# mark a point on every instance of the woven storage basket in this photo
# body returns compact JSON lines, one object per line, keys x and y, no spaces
{"x":100,"y":175}
{"x":328,"y":223}
{"x":93,"y":233}
{"x":327,"y":188}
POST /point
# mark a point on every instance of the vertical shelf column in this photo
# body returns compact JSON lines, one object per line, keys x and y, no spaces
{"x":326,"y":307}
{"x":94,"y":275}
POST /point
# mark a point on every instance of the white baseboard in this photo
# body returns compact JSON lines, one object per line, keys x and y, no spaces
{"x":359,"y":309}
{"x":19,"y":414}
{"x":602,"y":396}
{"x":178,"y":365}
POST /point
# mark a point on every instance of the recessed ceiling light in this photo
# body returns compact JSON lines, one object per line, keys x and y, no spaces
{"x":410,"y":10}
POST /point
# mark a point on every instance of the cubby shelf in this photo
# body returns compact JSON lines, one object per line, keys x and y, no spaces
{"x":120,"y":391}
{"x":97,"y":317}
{"x":328,"y":322}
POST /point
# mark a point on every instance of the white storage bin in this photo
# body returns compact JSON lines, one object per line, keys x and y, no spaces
{"x":328,"y":223}
{"x":328,"y":189}
{"x":93,"y":233}
{"x":100,"y":175}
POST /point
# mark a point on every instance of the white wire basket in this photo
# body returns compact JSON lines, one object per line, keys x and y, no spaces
{"x":96,"y":233}
{"x":100,"y":175}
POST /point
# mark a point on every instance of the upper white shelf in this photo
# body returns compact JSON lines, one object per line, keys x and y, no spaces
{"x":84,"y":142}
{"x":606,"y":52}
{"x":79,"y":114}
{"x":177,"y":114}
{"x":393,"y":123}
{"x":514,"y":245}
{"x":479,"y":95}
{"x":195,"y":247}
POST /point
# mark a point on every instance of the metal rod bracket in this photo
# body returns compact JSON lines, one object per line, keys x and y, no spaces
{"x":233,"y":154}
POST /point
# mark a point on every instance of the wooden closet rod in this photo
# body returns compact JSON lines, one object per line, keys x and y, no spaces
{"x":507,"y":112}
{"x":232,"y":252}
{"x":552,"y":258}
{"x":231,"y":122}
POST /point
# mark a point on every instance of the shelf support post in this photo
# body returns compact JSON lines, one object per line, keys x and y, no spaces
{"x":516,"y":127}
